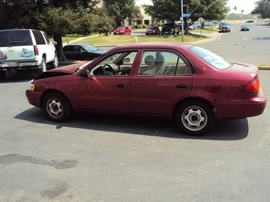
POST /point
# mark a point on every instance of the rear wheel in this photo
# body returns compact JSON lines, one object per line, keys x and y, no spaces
{"x":56,"y":107}
{"x":42,"y":67}
{"x":195,"y":117}
{"x":54,"y":63}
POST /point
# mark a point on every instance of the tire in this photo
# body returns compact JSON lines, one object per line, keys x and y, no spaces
{"x":2,"y":75}
{"x":55,"y":62}
{"x":195,"y":117}
{"x":42,"y":67}
{"x":56,"y":107}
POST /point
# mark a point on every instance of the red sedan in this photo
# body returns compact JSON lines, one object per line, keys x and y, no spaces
{"x":152,"y":31}
{"x":185,"y":82}
{"x":122,"y":30}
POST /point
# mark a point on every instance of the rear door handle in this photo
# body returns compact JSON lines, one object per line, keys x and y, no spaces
{"x":181,"y":86}
{"x":121,"y":85}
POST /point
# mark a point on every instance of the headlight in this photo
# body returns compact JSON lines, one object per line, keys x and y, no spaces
{"x":31,"y":86}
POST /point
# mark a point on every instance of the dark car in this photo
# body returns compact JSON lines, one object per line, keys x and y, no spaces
{"x":225,"y":27}
{"x":81,"y":51}
{"x":250,"y":21}
{"x":170,"y":28}
{"x":122,"y":30}
{"x":245,"y":27}
{"x":173,"y":80}
{"x":152,"y":31}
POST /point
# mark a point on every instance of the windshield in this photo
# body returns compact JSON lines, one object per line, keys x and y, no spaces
{"x":120,"y":28}
{"x":15,"y":38}
{"x":89,"y":48}
{"x":211,"y":58}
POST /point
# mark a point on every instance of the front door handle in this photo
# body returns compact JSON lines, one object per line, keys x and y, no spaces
{"x":181,"y":86}
{"x":121,"y":85}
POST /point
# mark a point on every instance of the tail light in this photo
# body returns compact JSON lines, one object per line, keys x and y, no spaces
{"x":36,"y":50}
{"x":253,"y":85}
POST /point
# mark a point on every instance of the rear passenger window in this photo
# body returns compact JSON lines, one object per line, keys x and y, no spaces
{"x":162,"y":63}
{"x":46,"y":38}
{"x":39,"y":38}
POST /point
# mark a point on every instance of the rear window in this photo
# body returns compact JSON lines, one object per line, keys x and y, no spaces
{"x":211,"y":58}
{"x":15,"y":38}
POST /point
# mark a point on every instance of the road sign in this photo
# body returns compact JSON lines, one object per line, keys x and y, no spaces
{"x":186,"y":15}
{"x":200,"y":20}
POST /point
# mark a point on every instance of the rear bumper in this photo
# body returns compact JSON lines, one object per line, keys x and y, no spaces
{"x":19,"y":65}
{"x":248,"y":108}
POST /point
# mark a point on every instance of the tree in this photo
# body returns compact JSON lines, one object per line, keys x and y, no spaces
{"x":55,"y":17}
{"x":171,"y":9}
{"x":121,"y":10}
{"x":262,"y":8}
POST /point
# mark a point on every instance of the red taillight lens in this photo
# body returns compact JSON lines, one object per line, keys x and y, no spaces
{"x":254,"y":85}
{"x":36,"y":50}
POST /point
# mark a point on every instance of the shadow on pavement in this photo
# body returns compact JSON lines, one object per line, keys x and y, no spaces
{"x":223,"y":130}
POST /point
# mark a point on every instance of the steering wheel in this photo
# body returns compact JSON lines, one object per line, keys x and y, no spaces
{"x":107,"y":72}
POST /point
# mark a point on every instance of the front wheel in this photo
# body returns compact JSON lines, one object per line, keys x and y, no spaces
{"x":56,"y":107}
{"x":195,"y":117}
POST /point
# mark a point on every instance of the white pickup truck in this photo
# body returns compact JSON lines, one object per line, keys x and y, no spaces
{"x":25,"y":49}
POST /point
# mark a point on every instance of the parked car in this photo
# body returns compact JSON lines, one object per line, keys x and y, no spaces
{"x":122,"y":30}
{"x":244,"y":27}
{"x":193,"y":26}
{"x":207,"y":23}
{"x":174,"y":80}
{"x":170,"y":28}
{"x":24,"y":49}
{"x":152,"y":31}
{"x":225,"y":27}
{"x":250,"y":21}
{"x":81,"y":51}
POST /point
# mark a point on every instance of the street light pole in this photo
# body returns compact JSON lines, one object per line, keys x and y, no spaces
{"x":182,"y":19}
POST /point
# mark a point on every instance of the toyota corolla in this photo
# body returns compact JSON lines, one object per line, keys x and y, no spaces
{"x":187,"y":83}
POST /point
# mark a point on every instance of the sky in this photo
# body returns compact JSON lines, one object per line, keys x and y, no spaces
{"x":246,"y":5}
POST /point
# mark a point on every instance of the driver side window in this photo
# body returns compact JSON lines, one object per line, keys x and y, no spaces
{"x":117,"y":64}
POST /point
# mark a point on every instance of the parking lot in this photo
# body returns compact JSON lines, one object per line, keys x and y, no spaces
{"x":97,"y":157}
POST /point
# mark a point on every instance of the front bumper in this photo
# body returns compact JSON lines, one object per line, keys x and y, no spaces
{"x":34,"y":97}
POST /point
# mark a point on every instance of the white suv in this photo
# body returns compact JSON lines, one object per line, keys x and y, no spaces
{"x":23,"y":49}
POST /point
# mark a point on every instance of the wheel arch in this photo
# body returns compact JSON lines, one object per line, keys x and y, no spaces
{"x":189,"y":99}
{"x":53,"y":91}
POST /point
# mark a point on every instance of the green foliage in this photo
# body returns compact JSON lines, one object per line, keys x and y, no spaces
{"x":238,"y":16}
{"x":262,"y":8}
{"x":171,"y":9}
{"x":121,"y":9}
{"x":57,"y":18}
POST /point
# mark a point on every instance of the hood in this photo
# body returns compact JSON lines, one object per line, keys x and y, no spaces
{"x":70,"y":69}
{"x":65,"y":70}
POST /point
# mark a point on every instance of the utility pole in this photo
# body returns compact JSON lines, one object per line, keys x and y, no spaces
{"x":182,"y":19}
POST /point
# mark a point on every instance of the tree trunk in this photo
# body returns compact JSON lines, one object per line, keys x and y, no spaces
{"x":59,"y":47}
{"x":186,"y":26}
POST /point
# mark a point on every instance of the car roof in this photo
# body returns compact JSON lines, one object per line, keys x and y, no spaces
{"x":155,"y":45}
{"x":79,"y":44}
{"x":18,"y":29}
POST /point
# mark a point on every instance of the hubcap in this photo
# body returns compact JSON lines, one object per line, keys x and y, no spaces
{"x":55,"y":108}
{"x":194,"y":118}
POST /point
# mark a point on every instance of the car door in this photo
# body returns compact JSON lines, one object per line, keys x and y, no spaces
{"x":155,"y":91}
{"x":107,"y":84}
